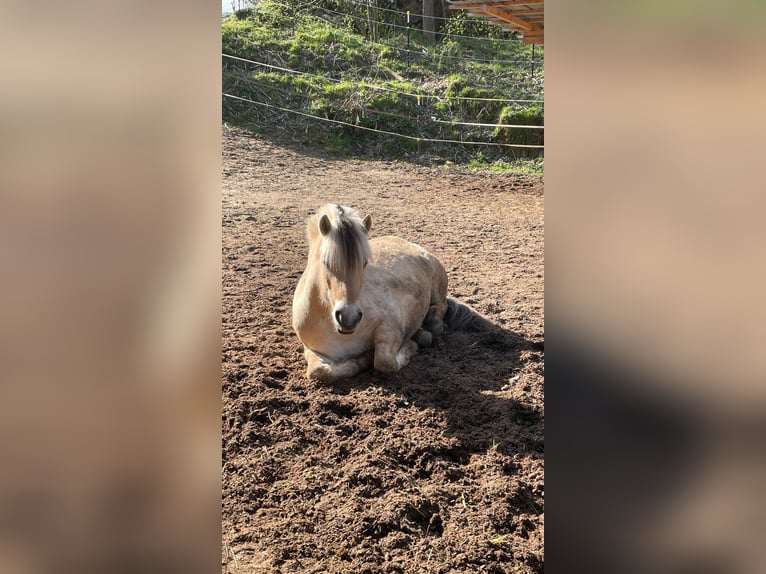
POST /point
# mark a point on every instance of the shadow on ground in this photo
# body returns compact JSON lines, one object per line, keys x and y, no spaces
{"x":475,"y":379}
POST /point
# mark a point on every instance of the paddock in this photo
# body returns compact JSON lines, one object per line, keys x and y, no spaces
{"x":435,"y":468}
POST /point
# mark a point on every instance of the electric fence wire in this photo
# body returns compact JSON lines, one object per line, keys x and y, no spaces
{"x":477,"y":20}
{"x":348,"y":124}
{"x":418,"y":52}
{"x":362,"y":110}
{"x":383,"y":88}
{"x":403,"y":14}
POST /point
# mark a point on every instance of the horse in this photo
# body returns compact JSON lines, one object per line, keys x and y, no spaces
{"x":363,"y":303}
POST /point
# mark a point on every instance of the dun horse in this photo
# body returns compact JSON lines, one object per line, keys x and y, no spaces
{"x":365,"y":303}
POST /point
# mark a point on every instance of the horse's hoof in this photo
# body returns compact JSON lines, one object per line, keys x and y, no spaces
{"x":321,"y":373}
{"x":423,"y":338}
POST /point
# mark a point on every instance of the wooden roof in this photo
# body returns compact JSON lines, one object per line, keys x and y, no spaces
{"x":523,"y":16}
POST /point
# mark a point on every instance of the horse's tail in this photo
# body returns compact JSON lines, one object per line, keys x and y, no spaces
{"x":461,"y":317}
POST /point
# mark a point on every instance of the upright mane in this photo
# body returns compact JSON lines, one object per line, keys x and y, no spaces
{"x":345,"y":246}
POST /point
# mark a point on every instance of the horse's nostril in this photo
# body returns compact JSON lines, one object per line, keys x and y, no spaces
{"x":338,"y":317}
{"x":359,"y":317}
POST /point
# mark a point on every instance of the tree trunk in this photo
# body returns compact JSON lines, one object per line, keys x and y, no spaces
{"x":429,"y":23}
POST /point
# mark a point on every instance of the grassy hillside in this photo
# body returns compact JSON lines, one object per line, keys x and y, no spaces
{"x":296,"y":62}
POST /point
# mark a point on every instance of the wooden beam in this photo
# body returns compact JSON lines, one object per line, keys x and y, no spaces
{"x":526,"y":12}
{"x":535,"y":37}
{"x":461,"y":4}
{"x":516,"y":2}
{"x":508,"y":17}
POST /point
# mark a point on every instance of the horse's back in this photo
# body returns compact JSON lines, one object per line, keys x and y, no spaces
{"x":393,"y":248}
{"x":404,"y":259}
{"x":407,"y":277}
{"x":392,"y":244}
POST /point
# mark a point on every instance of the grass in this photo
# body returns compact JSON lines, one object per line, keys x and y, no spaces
{"x":528,"y":166}
{"x":375,"y":85}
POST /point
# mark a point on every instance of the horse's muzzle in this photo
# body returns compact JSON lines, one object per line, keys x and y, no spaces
{"x":347,"y":319}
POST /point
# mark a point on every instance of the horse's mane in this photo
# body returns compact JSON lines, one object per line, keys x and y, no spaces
{"x":346,"y":247}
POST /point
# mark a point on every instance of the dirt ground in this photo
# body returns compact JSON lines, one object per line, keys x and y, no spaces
{"x":437,"y":468}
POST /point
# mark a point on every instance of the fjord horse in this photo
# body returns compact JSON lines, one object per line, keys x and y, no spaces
{"x":364,"y":302}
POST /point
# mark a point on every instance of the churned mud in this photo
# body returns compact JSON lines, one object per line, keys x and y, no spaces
{"x":437,"y":468}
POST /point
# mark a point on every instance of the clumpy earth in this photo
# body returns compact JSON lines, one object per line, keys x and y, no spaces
{"x":437,"y":468}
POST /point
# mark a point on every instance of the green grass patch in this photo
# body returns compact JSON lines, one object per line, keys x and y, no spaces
{"x":529,"y":166}
{"x":346,"y":77}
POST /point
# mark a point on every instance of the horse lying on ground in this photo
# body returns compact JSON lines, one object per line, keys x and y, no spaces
{"x":365,"y":303}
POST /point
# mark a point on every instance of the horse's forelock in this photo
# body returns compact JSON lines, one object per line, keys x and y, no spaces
{"x":346,"y":246}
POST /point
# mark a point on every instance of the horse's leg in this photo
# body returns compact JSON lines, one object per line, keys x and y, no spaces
{"x":391,"y":354}
{"x":434,"y":320}
{"x":327,"y":371}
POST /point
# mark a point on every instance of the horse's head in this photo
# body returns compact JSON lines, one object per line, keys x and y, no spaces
{"x":343,"y":255}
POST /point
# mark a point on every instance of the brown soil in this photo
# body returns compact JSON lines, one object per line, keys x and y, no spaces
{"x":437,"y":468}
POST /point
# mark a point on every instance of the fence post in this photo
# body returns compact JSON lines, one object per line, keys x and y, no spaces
{"x":408,"y":39}
{"x":418,"y":124}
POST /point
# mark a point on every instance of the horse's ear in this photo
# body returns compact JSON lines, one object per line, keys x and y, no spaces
{"x":367,"y":222}
{"x":324,"y":225}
